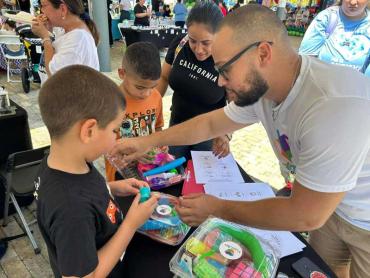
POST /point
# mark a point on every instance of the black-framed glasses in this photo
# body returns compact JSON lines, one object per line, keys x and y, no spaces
{"x":222,"y":70}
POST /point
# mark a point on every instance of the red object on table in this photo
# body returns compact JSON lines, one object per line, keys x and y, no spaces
{"x":190,"y":186}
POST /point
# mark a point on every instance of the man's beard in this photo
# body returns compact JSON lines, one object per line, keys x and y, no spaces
{"x":258,"y":88}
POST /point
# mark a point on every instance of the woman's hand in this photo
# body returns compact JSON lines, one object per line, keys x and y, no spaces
{"x":221,"y":147}
{"x":127,"y":187}
{"x":40,"y":26}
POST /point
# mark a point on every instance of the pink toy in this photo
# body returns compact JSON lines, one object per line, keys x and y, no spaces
{"x":242,"y":270}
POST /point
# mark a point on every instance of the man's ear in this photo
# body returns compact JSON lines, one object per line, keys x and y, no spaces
{"x":121,"y":73}
{"x":88,"y":130}
{"x":264,"y":54}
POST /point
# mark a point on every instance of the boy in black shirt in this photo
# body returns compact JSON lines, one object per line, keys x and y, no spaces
{"x":82,"y":225}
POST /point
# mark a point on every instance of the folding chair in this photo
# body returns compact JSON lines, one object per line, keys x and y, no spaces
{"x":19,"y":175}
{"x":12,"y":56}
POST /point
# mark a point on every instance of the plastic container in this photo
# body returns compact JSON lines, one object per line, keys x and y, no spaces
{"x":165,"y":225}
{"x":219,"y":249}
{"x":132,"y":171}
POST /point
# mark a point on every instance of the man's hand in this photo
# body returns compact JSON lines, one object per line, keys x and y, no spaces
{"x":221,"y":147}
{"x":126,"y":187}
{"x":130,"y":149}
{"x":195,"y":208}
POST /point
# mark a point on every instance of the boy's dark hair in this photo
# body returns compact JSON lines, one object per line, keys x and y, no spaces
{"x":77,"y":93}
{"x":207,"y":13}
{"x":142,"y":59}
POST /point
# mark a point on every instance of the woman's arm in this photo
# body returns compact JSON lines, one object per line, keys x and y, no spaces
{"x":163,"y":82}
{"x":141,"y":15}
{"x":48,"y":54}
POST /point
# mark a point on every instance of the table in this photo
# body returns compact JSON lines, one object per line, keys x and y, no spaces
{"x":148,"y":258}
{"x":159,"y":37}
{"x":14,"y":133}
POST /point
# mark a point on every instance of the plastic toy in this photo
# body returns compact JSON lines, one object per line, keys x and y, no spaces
{"x":165,"y":225}
{"x":242,"y":270}
{"x":165,"y":211}
{"x":144,"y":194}
{"x":220,"y":249}
{"x":166,"y":167}
{"x":203,"y":269}
{"x":197,"y":247}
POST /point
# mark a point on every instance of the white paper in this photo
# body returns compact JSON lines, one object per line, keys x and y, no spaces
{"x":208,"y":168}
{"x":285,"y":243}
{"x":239,"y":191}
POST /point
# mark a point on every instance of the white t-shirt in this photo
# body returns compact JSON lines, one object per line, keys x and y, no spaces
{"x":76,"y":47}
{"x":126,"y":5}
{"x":321,"y":133}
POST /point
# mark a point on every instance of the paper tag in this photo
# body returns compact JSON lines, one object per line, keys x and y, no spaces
{"x":172,"y":31}
{"x":155,"y":31}
{"x":183,"y":31}
{"x":164,"y":210}
{"x":38,"y":49}
{"x":230,"y":250}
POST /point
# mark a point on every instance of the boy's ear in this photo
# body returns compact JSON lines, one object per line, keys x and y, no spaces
{"x":121,"y":73}
{"x":88,"y":130}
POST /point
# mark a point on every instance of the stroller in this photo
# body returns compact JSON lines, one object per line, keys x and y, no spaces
{"x":33,"y":48}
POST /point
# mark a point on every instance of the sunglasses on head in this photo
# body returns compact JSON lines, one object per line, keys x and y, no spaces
{"x":222,"y":70}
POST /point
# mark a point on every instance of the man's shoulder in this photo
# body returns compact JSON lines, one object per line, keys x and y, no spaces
{"x":337,"y":80}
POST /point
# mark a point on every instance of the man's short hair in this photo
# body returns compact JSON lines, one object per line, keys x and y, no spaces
{"x":254,"y":23}
{"x":142,"y":59}
{"x":77,"y":93}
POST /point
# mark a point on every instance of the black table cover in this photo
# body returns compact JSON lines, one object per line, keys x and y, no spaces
{"x":160,"y":38}
{"x":146,"y":257}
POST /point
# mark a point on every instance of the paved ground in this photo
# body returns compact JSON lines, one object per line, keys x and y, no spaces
{"x":250,"y":147}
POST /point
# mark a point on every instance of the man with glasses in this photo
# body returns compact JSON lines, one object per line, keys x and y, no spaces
{"x":317,"y":117}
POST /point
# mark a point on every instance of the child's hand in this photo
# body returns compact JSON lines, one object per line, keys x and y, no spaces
{"x":140,"y":212}
{"x":126,"y":187}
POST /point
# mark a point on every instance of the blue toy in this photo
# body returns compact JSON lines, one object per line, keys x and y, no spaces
{"x":144,"y":194}
{"x":166,"y":167}
{"x":153,"y":225}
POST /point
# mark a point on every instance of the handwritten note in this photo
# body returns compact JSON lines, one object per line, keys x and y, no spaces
{"x":209,"y":168}
{"x":239,"y":191}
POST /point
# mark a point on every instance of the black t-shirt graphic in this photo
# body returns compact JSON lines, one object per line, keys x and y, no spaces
{"x":194,"y":83}
{"x":144,"y":21}
{"x":76,"y":216}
